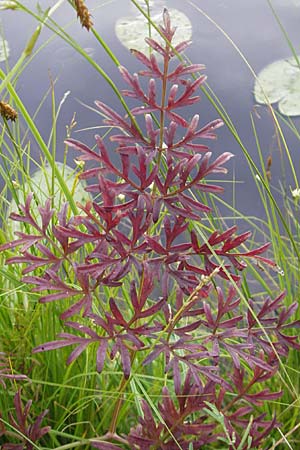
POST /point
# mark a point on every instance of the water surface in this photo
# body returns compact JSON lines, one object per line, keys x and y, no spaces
{"x":250,"y":25}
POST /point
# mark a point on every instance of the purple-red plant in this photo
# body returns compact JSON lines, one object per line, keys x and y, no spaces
{"x":142,"y":285}
{"x":22,"y":427}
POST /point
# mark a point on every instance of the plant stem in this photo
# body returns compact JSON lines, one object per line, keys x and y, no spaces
{"x":191,"y":299}
{"x":122,"y":385}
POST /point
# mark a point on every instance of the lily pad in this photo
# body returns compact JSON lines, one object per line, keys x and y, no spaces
{"x":280,"y":82}
{"x":132,"y":31}
{"x":4,"y":50}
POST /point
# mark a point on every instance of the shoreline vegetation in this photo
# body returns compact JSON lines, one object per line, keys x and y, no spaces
{"x":131,"y":316}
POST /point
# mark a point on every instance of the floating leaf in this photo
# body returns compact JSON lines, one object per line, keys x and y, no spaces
{"x":280,"y":82}
{"x":132,"y":31}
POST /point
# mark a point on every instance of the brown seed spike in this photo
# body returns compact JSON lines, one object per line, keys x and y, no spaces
{"x":7,"y":112}
{"x":83,"y":14}
{"x":268,"y":167}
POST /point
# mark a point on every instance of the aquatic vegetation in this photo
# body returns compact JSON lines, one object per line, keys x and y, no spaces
{"x":132,"y":30}
{"x":144,"y":290}
{"x":280,"y":82}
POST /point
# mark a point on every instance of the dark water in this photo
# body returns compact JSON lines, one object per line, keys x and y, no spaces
{"x":249,"y":23}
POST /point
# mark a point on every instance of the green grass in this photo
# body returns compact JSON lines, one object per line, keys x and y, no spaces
{"x":80,"y":401}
